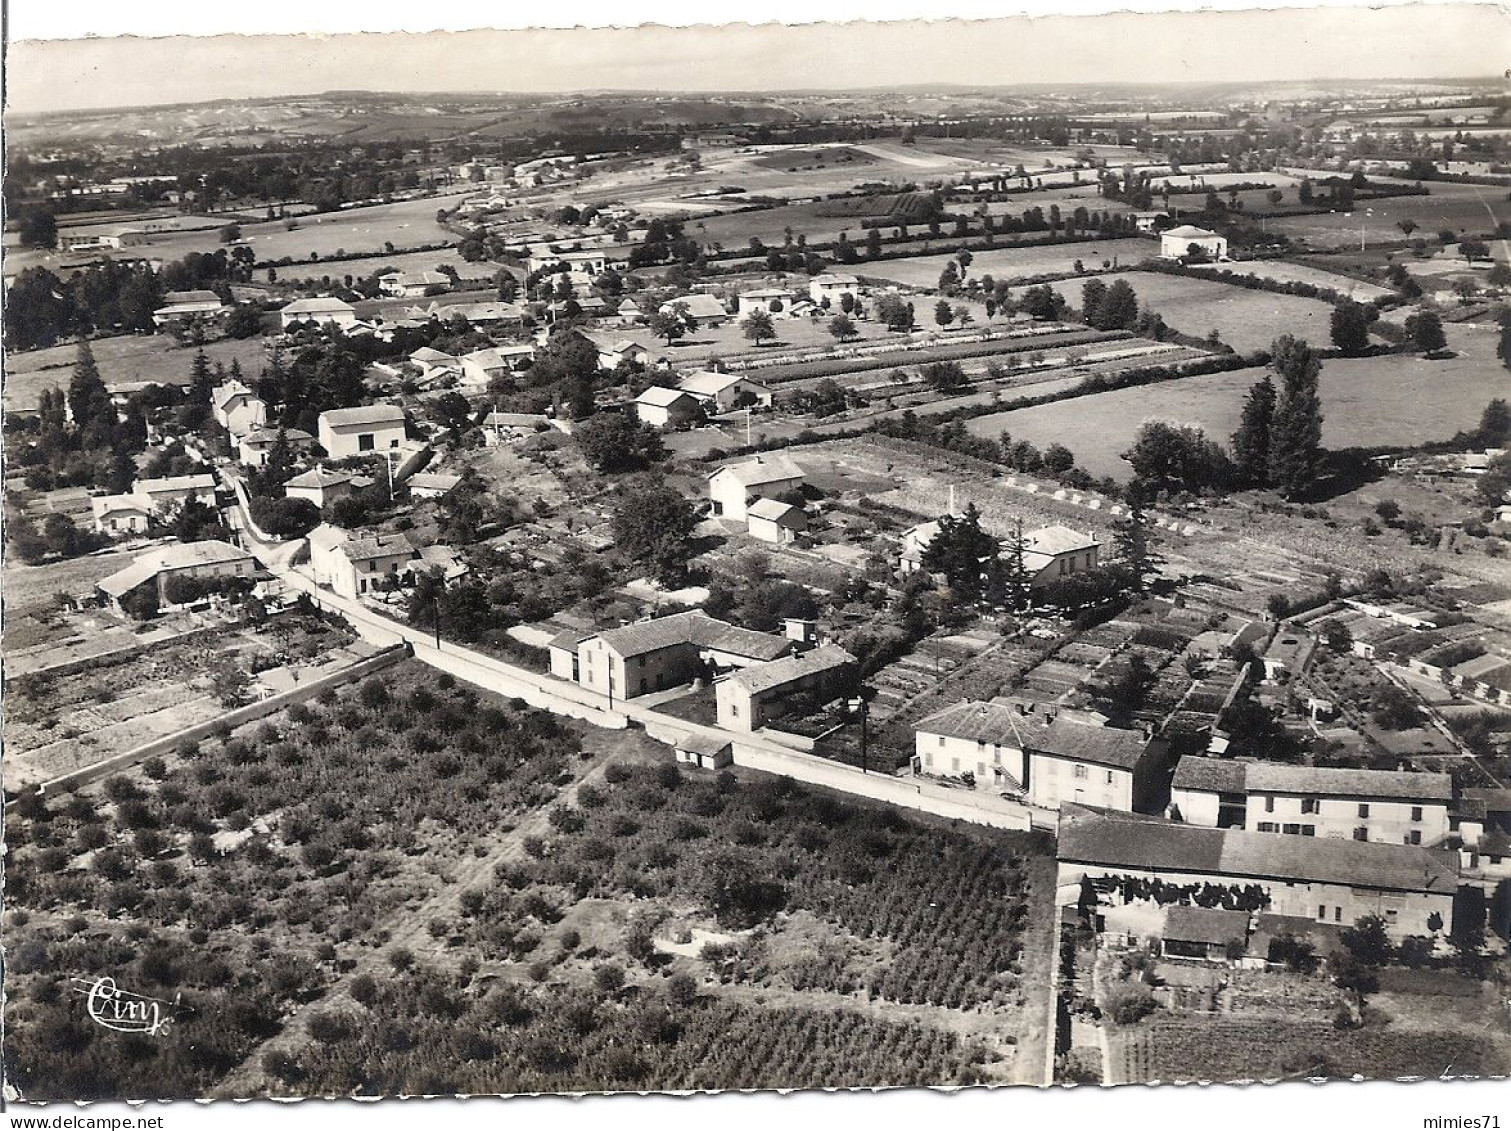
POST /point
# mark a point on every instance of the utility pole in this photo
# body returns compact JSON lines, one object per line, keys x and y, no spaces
{"x":747,"y":426}
{"x":388,"y":462}
{"x":859,"y":706}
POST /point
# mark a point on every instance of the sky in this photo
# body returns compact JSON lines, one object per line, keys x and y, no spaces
{"x":1429,"y":41}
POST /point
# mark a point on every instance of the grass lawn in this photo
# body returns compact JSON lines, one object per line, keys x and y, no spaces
{"x":404,"y":261}
{"x":122,"y":360}
{"x":1474,"y":209}
{"x":29,"y":587}
{"x":1284,"y":272}
{"x":1246,"y":320}
{"x":1010,"y":263}
{"x":1402,"y":399}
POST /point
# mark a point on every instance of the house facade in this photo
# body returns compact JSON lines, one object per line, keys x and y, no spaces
{"x":237,"y":409}
{"x":206,"y":559}
{"x":732,"y":488}
{"x":120,"y":514}
{"x":832,"y":286}
{"x":749,"y":699}
{"x":1040,"y":757}
{"x":252,"y":449}
{"x":323,"y":486}
{"x":1375,"y":806}
{"x":346,"y":432}
{"x":661,"y":407}
{"x":1324,"y":881}
{"x":1176,"y":243}
{"x":354,"y":565}
{"x":724,"y":392}
{"x":778,"y":523}
{"x":320,"y":311}
{"x":169,"y":495}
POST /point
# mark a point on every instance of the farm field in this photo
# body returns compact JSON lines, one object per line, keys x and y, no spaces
{"x":657,"y":928}
{"x":1246,"y":320}
{"x":404,"y":261}
{"x":123,"y":360}
{"x":1471,"y":209}
{"x":1283,"y":271}
{"x":1010,"y":263}
{"x":1366,"y":402}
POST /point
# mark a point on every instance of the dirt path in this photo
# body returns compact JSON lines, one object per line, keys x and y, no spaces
{"x":410,"y":927}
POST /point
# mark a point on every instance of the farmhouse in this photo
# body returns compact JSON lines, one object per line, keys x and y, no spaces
{"x":832,"y":286}
{"x":237,"y":409}
{"x":207,"y":559}
{"x":748,"y":699}
{"x":1380,"y":806}
{"x":346,"y":432}
{"x":1053,"y":552}
{"x":353,"y":564}
{"x":1177,"y":243}
{"x":411,"y":284}
{"x":1041,"y":757}
{"x":733,"y":487}
{"x":322,"y":486}
{"x":652,"y":655}
{"x":1326,"y":881}
{"x":773,"y":300}
{"x":724,"y":392}
{"x":775,"y":522}
{"x":252,"y":450}
{"x":120,"y":514}
{"x":483,"y":366}
{"x":707,"y":309}
{"x":320,"y":311}
{"x":183,"y":306}
{"x":1203,"y":932}
{"x":661,"y":407}
{"x":170,"y":495}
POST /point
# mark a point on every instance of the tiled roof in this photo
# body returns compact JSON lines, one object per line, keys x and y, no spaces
{"x":1189,"y":232}
{"x":659,"y":396}
{"x":773,"y":467}
{"x":708,"y":383}
{"x":205,"y":482}
{"x":270,"y":436}
{"x":1215,"y":775}
{"x":1090,"y":836}
{"x":1274,"y":777}
{"x":709,"y":745}
{"x":1082,"y":742}
{"x":1210,"y":925}
{"x":779,"y":673}
{"x":318,"y":306}
{"x":179,"y":555}
{"x":366,"y":414}
{"x":377,"y":546}
{"x":978,"y":722}
{"x":1058,"y":540}
{"x":320,"y":478}
{"x":433,"y":481}
{"x":693,"y":627}
{"x":771,"y":510}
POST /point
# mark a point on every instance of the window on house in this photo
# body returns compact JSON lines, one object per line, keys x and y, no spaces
{"x":1109,"y":777}
{"x":1308,"y":804}
{"x":1266,"y":826}
{"x":365,"y":442}
{"x":1292,"y":829}
{"x":393,"y":443}
{"x":1414,"y":836}
{"x":1269,"y":804}
{"x":1363,"y":811}
{"x":734,"y":710}
{"x":1337,"y":914}
{"x":1361,"y":833}
{"x":1079,"y":771}
{"x":1416,"y":812}
{"x":1308,"y":830}
{"x":1322,"y":911}
{"x":941,"y":740}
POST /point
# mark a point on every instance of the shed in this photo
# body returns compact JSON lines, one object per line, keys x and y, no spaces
{"x":706,"y":752}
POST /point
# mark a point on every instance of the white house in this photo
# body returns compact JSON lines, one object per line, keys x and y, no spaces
{"x":321,"y":311}
{"x":661,"y":407}
{"x":733,"y":487}
{"x":577,"y":262}
{"x":237,"y":409}
{"x":750,"y":698}
{"x":354,"y":564}
{"x":184,"y":305}
{"x":652,"y":655}
{"x":253,"y":449}
{"x":209,"y":558}
{"x":706,"y":308}
{"x":773,"y":300}
{"x":775,"y":522}
{"x":435,"y":365}
{"x":482,"y":366}
{"x":1326,"y":881}
{"x":1176,"y":243}
{"x":348,"y":432}
{"x":724,"y":392}
{"x":120,"y":514}
{"x":832,"y":286}
{"x":1041,"y":756}
{"x":411,"y":284}
{"x":1053,"y":552}
{"x":323,"y":485}
{"x":169,"y":495}
{"x":613,"y":352}
{"x":431,"y":484}
{"x":1379,"y":806}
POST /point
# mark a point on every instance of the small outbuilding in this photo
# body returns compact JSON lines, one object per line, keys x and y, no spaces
{"x":706,"y":752}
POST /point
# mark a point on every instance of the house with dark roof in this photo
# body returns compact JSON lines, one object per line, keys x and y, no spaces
{"x":201,"y":560}
{"x":1316,"y":878}
{"x":1040,"y":756}
{"x":354,"y":565}
{"x":751,"y":698}
{"x":253,"y":449}
{"x":1211,"y":933}
{"x":1384,"y":806}
{"x":652,"y":655}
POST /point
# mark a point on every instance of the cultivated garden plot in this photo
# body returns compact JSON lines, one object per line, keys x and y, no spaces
{"x":1013,"y":263}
